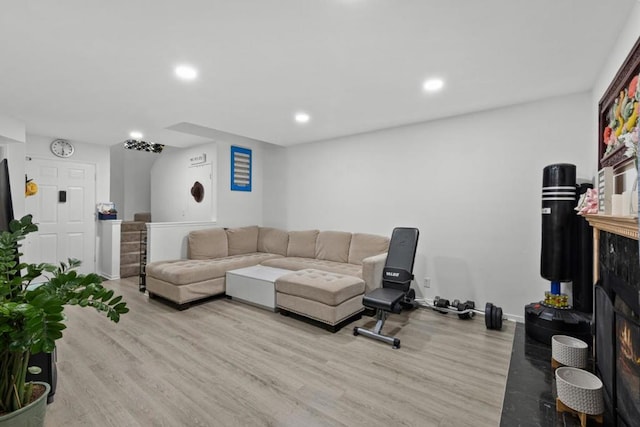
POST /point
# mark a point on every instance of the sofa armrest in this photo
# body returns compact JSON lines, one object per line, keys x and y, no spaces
{"x":372,"y":271}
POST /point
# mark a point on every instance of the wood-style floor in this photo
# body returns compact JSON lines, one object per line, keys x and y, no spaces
{"x":224,"y":363}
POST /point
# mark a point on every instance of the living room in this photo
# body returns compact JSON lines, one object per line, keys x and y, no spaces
{"x":469,"y":181}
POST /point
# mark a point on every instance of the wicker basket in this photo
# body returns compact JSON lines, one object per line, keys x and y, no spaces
{"x":580,"y":390}
{"x":569,"y":351}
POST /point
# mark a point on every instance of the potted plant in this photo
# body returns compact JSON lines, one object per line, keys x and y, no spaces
{"x":32,"y":319}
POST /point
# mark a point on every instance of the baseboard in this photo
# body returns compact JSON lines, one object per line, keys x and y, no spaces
{"x":514,"y":318}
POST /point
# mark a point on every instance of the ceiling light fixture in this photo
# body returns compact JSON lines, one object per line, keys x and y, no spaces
{"x":186,"y":72}
{"x":132,"y":144}
{"x":433,"y":85}
{"x":302,"y":117}
{"x":135,"y":134}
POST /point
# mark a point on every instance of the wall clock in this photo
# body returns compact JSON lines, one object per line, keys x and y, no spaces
{"x":62,"y":148}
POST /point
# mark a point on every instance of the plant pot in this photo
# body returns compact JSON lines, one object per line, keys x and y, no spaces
{"x":31,"y":415}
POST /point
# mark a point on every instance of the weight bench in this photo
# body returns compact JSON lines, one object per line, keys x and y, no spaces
{"x":395,"y":293}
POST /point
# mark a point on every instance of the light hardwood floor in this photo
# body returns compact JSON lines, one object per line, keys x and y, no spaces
{"x":223,"y":363}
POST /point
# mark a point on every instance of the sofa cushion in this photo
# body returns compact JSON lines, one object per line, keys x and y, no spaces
{"x":185,"y":272}
{"x":273,"y":241}
{"x":206,"y":244}
{"x":294,"y":263}
{"x":243,"y":240}
{"x":302,"y":243}
{"x":322,"y":286}
{"x":333,"y":246}
{"x":366,"y":245}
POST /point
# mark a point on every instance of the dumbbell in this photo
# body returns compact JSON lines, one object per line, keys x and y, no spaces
{"x":440,"y":303}
{"x":492,"y":316}
{"x":408,"y":302}
{"x":467,"y":305}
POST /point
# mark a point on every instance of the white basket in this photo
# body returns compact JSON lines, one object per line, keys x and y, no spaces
{"x":580,"y":390}
{"x":569,"y":351}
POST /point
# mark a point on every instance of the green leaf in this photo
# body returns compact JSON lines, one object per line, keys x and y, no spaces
{"x":120,"y":306}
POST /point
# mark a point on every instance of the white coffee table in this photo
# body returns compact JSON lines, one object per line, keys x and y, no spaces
{"x":254,"y":285}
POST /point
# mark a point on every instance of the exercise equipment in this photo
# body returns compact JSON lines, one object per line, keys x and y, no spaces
{"x":492,"y":316}
{"x":566,"y":256}
{"x":441,"y":303}
{"x":395,"y":293}
{"x":464,"y":310}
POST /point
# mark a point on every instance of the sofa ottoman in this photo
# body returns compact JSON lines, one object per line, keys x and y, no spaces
{"x":330,"y":298}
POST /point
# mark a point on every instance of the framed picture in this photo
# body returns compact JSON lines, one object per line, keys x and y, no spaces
{"x":618,"y":113}
{"x":240,"y":169}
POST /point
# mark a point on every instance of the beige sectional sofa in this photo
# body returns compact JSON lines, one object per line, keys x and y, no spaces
{"x":326,"y":297}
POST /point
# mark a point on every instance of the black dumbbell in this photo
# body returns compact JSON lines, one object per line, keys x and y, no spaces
{"x":467,"y":305}
{"x":440,"y":303}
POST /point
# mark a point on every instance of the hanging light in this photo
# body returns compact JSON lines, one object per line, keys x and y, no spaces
{"x":134,"y":144}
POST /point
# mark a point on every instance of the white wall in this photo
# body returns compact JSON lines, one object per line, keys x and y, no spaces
{"x":117,"y":179}
{"x":11,"y":130}
{"x":131,"y":180}
{"x":471,"y":184}
{"x":12,"y":138}
{"x":274,"y":201}
{"x":137,"y":185}
{"x":170,"y":184}
{"x":14,"y":153}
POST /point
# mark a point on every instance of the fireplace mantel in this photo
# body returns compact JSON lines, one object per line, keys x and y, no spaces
{"x":626,"y":226}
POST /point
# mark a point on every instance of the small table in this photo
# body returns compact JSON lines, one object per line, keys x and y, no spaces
{"x":255,"y":285}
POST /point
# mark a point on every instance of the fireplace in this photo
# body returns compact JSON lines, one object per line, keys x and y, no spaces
{"x":617,"y":328}
{"x":628,"y":368}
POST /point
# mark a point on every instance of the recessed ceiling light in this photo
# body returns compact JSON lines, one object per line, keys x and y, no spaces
{"x":135,"y":134}
{"x":433,"y":85}
{"x":186,"y":72}
{"x":302,"y":117}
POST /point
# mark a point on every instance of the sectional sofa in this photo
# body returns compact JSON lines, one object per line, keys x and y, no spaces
{"x":335,"y":267}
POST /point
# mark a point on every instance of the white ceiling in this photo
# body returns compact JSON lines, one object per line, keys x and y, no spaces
{"x":93,"y":70}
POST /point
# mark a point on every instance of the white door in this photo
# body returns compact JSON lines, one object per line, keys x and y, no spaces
{"x":64,"y":209}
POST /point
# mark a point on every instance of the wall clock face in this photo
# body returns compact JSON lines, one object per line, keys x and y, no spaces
{"x":62,"y":148}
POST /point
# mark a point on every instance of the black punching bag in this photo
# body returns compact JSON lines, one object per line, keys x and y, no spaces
{"x":558,"y":222}
{"x":583,"y":262}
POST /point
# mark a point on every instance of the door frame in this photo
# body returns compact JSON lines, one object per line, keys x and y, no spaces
{"x":29,"y":158}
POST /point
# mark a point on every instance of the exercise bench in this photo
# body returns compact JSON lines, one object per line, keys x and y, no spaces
{"x":395,"y":293}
